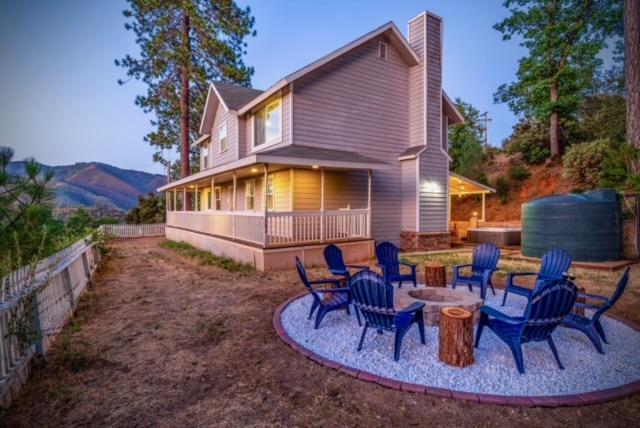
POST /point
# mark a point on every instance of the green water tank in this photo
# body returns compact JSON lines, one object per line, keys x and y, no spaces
{"x":588,"y":226}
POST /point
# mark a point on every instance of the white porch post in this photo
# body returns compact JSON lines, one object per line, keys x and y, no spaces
{"x":322,"y":222}
{"x":264,"y":202}
{"x":233,"y":206}
{"x":195,"y":202}
{"x":166,"y":200}
{"x":369,"y":180}
{"x":184,"y":199}
{"x":483,"y":207}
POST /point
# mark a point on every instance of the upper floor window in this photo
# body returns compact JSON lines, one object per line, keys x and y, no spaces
{"x":205,"y":155}
{"x":267,"y":123}
{"x":250,"y":195}
{"x":382,"y":50}
{"x":224,"y":141}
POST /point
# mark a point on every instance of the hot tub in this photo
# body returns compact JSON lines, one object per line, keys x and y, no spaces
{"x":498,"y":236}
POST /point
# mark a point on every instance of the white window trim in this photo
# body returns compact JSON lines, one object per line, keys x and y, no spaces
{"x":214,"y":199}
{"x":272,"y":142}
{"x":226,"y":129}
{"x":246,"y":195}
{"x":206,"y":162}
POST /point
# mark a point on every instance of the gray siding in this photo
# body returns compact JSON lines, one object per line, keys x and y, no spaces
{"x":230,"y":154}
{"x":409,"y":195}
{"x":358,"y":102}
{"x":416,"y":84}
{"x":434,"y":163}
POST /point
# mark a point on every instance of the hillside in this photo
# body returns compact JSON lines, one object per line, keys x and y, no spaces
{"x":545,"y":180}
{"x":94,"y":184}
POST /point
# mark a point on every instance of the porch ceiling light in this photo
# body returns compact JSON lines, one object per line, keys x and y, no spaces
{"x":254,"y":170}
{"x":315,"y":166}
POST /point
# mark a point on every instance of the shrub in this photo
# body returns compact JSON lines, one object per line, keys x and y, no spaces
{"x":583,"y":163}
{"x":518,"y":172}
{"x":502,"y":188}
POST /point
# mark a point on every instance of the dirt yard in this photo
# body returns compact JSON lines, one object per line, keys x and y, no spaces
{"x":162,"y":340}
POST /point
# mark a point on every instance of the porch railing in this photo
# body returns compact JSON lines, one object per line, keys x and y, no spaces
{"x":280,"y":228}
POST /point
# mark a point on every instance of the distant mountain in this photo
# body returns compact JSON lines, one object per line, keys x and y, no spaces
{"x":95,"y":184}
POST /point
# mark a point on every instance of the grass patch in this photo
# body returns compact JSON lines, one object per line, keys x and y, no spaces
{"x":213,"y":330}
{"x":206,"y":258}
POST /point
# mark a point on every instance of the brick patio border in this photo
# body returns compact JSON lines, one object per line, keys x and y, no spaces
{"x":582,"y":399}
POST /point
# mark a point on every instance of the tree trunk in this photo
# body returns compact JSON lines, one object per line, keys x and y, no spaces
{"x":435,"y":274}
{"x":632,"y":74}
{"x":184,"y":98}
{"x":456,"y":337}
{"x":553,"y":121}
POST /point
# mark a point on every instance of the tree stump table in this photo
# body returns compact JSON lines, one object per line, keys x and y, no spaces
{"x":435,"y":274}
{"x":456,"y":337}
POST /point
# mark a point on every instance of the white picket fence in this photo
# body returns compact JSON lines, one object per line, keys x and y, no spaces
{"x":45,"y":296}
{"x":132,"y":230}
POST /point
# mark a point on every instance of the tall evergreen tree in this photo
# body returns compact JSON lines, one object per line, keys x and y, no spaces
{"x":465,"y":143}
{"x":632,"y":74}
{"x":563,"y":38}
{"x":184,"y":44}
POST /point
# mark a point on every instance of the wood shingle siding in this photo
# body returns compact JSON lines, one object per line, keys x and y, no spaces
{"x":358,"y":102}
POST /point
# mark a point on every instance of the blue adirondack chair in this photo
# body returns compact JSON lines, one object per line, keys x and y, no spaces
{"x":591,"y":326}
{"x":340,"y":298}
{"x":373,"y":296}
{"x":388,"y":260}
{"x":484,"y":263}
{"x":546,"y":309}
{"x":555,"y":263}
{"x":335,"y":262}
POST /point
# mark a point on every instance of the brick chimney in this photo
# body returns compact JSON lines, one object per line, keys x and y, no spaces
{"x":425,"y":37}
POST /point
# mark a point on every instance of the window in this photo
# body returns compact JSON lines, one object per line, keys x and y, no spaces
{"x":229,"y":197}
{"x":222,"y":135}
{"x":382,"y":50}
{"x":250,"y":195}
{"x":205,"y":155}
{"x":217,"y":196}
{"x":267,"y":124}
{"x":270,"y":192}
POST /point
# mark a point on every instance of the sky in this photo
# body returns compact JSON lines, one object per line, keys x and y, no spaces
{"x":61,"y":102}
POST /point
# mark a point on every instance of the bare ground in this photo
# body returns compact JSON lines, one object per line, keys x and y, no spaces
{"x":161,"y":340}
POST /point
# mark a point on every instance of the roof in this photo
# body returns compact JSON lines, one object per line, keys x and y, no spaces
{"x":301,"y":156}
{"x":234,"y":96}
{"x":389,"y":29}
{"x":461,"y":185}
{"x":412,"y":152}
{"x":320,"y":154}
{"x":451,"y":110}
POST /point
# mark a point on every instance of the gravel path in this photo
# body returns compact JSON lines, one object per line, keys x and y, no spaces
{"x":494,"y":371}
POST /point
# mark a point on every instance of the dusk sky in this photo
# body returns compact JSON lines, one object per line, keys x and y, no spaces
{"x":61,"y":102}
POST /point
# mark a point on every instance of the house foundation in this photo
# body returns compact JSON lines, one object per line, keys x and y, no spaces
{"x":425,"y":241}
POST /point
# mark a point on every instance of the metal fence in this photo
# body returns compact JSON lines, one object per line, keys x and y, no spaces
{"x":36,"y":301}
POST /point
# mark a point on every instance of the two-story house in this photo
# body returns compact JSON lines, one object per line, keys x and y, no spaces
{"x":350,"y":149}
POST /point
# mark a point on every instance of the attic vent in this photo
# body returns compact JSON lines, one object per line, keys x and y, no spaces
{"x":382,"y":50}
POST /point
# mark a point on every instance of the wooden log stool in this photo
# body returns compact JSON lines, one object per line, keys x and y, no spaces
{"x":456,"y":337}
{"x":435,"y":274}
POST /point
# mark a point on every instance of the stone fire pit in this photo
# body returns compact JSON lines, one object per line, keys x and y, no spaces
{"x":437,"y":298}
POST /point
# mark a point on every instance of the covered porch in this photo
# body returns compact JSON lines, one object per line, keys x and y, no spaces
{"x":288,"y":201}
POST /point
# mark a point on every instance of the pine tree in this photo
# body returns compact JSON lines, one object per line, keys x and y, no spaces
{"x":184,"y":45}
{"x":563,"y":39}
{"x":632,"y":74}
